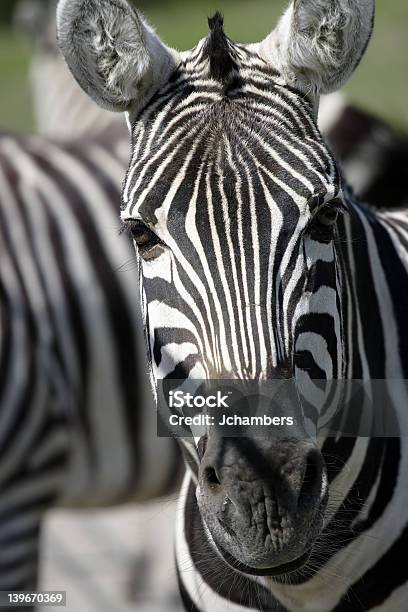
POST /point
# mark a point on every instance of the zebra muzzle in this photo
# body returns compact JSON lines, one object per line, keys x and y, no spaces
{"x":262,"y":501}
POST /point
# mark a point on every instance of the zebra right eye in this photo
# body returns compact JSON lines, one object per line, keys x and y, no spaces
{"x":145,"y":238}
{"x":327,"y":217}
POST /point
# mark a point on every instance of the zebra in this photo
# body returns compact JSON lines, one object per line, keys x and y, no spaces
{"x":371,"y":154}
{"x":63,"y":113}
{"x":77,"y":427}
{"x":256,"y":260}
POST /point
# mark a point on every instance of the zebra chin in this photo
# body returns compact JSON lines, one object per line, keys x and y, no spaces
{"x":262,"y":501}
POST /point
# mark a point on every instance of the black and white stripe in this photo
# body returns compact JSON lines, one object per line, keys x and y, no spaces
{"x":372,"y":155}
{"x":366,"y":528}
{"x":77,"y":425}
{"x":256,"y":260}
{"x":74,"y":384}
{"x":189,"y":171}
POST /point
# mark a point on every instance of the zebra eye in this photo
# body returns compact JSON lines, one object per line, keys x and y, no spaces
{"x":145,"y":239}
{"x":322,"y":225}
{"x":327,"y":216}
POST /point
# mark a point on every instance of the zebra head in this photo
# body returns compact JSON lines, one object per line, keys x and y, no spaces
{"x":233,"y":201}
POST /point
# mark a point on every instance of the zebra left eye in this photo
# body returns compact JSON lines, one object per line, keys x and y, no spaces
{"x":145,"y":239}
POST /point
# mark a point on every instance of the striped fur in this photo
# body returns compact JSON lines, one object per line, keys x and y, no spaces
{"x":189,"y":171}
{"x":255,"y":259}
{"x":111,"y":351}
{"x":371,"y":154}
{"x":77,"y":426}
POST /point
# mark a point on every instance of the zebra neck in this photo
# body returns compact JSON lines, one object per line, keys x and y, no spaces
{"x":207,"y":582}
{"x":373,"y":266}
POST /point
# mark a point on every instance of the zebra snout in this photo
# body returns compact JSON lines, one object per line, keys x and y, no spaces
{"x":312,"y":480}
{"x":262,"y":501}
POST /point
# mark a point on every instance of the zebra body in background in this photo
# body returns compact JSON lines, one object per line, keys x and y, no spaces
{"x":372,"y":156}
{"x":88,"y":416}
{"x":77,"y":425}
{"x":256,"y":260}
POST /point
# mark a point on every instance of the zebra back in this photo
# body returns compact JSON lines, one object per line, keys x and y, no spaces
{"x":73,"y":391}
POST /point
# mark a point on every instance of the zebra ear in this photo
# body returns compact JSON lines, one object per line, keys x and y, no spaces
{"x":319,"y":43}
{"x":113,"y":54}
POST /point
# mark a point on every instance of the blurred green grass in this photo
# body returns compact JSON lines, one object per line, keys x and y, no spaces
{"x":15,"y":101}
{"x":379,"y":85}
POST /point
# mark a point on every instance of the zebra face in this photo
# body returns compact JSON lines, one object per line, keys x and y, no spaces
{"x":232,"y":200}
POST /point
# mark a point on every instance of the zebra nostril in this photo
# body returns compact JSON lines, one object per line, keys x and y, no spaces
{"x":211,"y":478}
{"x":312,"y":478}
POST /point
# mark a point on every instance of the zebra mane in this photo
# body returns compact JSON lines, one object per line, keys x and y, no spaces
{"x":219,"y":51}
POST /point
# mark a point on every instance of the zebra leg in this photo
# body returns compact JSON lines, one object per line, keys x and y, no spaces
{"x":26,"y":494}
{"x":19,"y":550}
